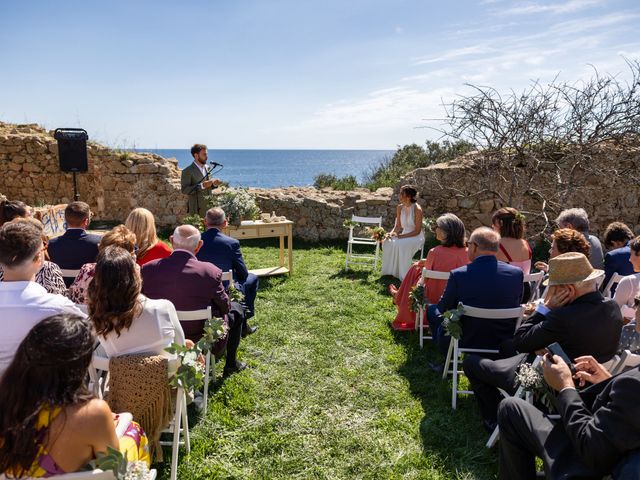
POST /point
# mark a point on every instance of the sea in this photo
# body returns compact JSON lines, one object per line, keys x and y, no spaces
{"x":282,"y":168}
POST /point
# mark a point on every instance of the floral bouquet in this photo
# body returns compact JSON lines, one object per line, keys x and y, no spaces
{"x":376,"y":233}
{"x":122,"y":469}
{"x":238,"y":204}
{"x":531,"y":379}
{"x":350,"y":223}
{"x":451,"y":323}
{"x":416,"y":298}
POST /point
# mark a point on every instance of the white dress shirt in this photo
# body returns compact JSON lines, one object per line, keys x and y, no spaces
{"x":22,"y":305}
{"x":155,"y":329}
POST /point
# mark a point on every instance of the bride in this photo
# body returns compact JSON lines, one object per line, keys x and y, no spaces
{"x":406,"y":237}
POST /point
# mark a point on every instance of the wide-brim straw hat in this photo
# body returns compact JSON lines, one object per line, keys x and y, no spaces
{"x":571,"y":267}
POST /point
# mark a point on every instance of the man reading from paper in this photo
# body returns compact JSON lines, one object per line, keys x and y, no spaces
{"x":196,"y":181}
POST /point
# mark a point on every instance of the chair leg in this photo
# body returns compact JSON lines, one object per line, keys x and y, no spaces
{"x":346,"y":267}
{"x":447,"y":361}
{"x":454,"y":388}
{"x":185,"y":425}
{"x":205,"y":393}
{"x":494,"y":437}
{"x":175,"y":445}
{"x":420,"y":318}
{"x":375,"y":262}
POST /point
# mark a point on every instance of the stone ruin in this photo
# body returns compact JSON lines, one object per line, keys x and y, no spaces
{"x":118,"y":181}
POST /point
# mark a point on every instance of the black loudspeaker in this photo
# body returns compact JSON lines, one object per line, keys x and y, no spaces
{"x":72,"y":149}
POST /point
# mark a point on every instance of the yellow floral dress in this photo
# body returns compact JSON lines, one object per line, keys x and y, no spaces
{"x":133,"y":442}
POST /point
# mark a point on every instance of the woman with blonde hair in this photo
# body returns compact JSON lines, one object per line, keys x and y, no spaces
{"x":119,"y":236}
{"x":141,"y":222}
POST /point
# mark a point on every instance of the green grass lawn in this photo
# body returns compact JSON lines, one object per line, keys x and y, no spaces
{"x":332,"y":391}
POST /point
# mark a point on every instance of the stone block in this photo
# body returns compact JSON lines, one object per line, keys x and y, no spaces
{"x":486,"y":206}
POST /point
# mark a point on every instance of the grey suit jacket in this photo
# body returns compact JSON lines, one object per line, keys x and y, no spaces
{"x":190,"y":184}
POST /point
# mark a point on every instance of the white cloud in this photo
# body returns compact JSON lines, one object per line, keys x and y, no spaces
{"x":570,"y":6}
{"x":453,"y":54}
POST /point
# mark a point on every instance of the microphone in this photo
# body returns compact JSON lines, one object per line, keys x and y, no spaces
{"x":215,"y":164}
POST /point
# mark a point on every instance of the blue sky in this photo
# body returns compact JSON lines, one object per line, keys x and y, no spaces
{"x":289,"y":73}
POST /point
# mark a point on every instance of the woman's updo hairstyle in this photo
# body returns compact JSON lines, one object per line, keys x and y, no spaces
{"x":510,"y":221}
{"x":410,"y":192}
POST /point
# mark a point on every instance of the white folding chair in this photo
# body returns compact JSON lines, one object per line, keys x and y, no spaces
{"x":520,"y":393}
{"x":227,"y":276}
{"x":454,"y":353}
{"x":627,"y":360}
{"x":353,"y":240}
{"x":69,"y":273}
{"x":421,"y":315}
{"x":614,"y":280}
{"x":96,"y":474}
{"x":179,"y":425}
{"x":534,"y":279}
{"x":209,"y":360}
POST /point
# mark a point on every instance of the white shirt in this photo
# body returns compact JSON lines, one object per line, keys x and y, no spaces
{"x":22,"y":305}
{"x":155,"y":329}
{"x":626,"y":291}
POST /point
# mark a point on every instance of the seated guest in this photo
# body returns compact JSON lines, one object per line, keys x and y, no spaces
{"x":574,"y":314}
{"x":10,"y":209}
{"x":119,"y":236}
{"x":577,"y":219}
{"x":450,"y":254}
{"x":597,"y":433}
{"x":224,"y":252}
{"x":75,"y":247}
{"x":629,"y":287}
{"x":616,"y":238}
{"x":50,"y":423}
{"x":141,"y":222}
{"x":127,"y":322}
{"x":484,"y":283}
{"x":23,"y":303}
{"x":193,"y":285}
{"x":49,"y":275}
{"x":406,"y":237}
{"x":565,"y":240}
{"x":514,"y":249}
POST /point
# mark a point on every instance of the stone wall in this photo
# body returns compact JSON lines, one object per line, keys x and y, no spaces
{"x":319,"y":214}
{"x":119,"y":181}
{"x":115,"y":183}
{"x":474,"y":192}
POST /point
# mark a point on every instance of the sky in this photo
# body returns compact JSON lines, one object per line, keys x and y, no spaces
{"x":330,"y":74}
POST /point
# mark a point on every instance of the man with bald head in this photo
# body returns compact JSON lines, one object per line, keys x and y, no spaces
{"x":194,"y":285}
{"x":483,"y":283}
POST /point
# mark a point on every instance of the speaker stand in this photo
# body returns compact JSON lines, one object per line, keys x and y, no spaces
{"x":76,"y":194}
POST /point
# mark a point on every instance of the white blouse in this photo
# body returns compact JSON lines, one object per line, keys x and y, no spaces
{"x":626,"y":291}
{"x":156,"y":328}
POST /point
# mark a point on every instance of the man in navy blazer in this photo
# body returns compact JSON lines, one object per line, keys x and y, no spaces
{"x":617,"y":237}
{"x":484,"y":283}
{"x":224,"y":252}
{"x":193,"y":285}
{"x":75,"y":247}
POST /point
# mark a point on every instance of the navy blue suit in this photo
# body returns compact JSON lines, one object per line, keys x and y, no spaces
{"x":484,"y":283}
{"x":73,"y":249}
{"x":617,"y":261}
{"x":224,"y":252}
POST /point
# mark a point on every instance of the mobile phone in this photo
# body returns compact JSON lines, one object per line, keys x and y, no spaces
{"x":556,"y":349}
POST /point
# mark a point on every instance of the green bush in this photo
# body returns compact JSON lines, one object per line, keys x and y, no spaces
{"x":390,"y":170}
{"x":348,"y":182}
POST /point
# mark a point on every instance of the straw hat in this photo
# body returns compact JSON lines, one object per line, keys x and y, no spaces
{"x":571,"y":267}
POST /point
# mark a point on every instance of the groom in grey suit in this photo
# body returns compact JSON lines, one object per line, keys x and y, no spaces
{"x":195,"y":181}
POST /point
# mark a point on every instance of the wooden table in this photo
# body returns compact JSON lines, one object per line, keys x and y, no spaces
{"x":258,"y":229}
